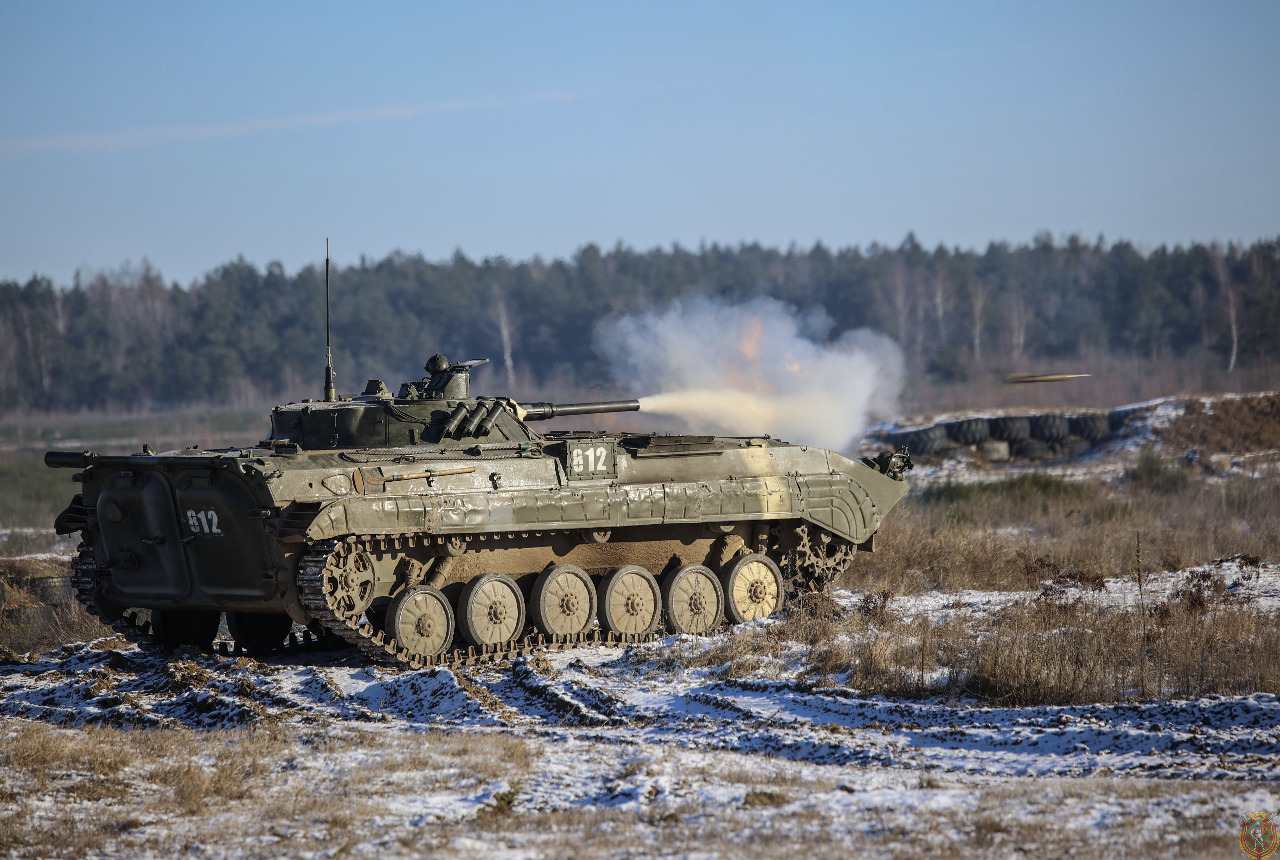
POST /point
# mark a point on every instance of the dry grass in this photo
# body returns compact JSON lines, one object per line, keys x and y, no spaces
{"x":21,"y":580}
{"x":1057,"y":646}
{"x":1242,"y":424}
{"x":20,"y":577}
{"x":1073,"y":653}
{"x":240,"y":761}
{"x":760,"y":797}
{"x":1054,"y":648}
{"x":990,"y":536}
{"x":1016,"y":535}
{"x":869,"y":646}
{"x":42,"y":753}
{"x":443,"y":755}
{"x":69,"y":623}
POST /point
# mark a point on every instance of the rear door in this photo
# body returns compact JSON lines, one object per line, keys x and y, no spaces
{"x":141,"y":536}
{"x":226,"y":544}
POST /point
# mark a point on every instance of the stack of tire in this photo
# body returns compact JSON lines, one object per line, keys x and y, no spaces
{"x":1030,"y":437}
{"x":968,"y":431}
{"x":1034,"y":437}
{"x":926,"y":440}
{"x":1092,"y":427}
{"x":1015,"y":431}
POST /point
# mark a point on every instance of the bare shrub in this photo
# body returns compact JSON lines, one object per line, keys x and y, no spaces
{"x":1046,"y":652}
{"x":1155,"y":473}
{"x":70,"y":623}
{"x":1201,"y":590}
{"x":829,"y":659}
{"x":880,"y":662}
{"x":1226,"y":650}
{"x":810,"y":619}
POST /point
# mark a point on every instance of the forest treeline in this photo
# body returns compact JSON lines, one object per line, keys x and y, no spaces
{"x":242,"y":335}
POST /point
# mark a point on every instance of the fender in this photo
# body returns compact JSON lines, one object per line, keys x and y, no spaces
{"x":388,"y":515}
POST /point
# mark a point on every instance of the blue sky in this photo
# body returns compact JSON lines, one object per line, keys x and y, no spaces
{"x":188,"y":134}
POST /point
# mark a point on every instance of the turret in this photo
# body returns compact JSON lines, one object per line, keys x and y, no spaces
{"x":444,"y":380}
{"x":448,"y":381}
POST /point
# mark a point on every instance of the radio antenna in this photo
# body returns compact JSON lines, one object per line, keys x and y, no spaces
{"x":330,"y":395}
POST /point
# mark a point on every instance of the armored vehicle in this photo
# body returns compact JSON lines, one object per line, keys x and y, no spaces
{"x":429,"y":526}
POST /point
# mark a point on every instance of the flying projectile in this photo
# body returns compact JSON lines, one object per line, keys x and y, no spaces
{"x":1043,"y":377}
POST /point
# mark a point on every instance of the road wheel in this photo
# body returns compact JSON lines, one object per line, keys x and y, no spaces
{"x":752,"y":588}
{"x":630,"y":601}
{"x":353,"y":585}
{"x":420,"y":620}
{"x":174,"y":628}
{"x":491,"y":610}
{"x":692,"y":600}
{"x":563,"y":602}
{"x":258,"y":633}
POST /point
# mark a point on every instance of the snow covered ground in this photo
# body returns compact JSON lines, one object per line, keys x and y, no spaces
{"x":629,"y":754}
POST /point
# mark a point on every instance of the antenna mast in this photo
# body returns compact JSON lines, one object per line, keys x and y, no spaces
{"x":330,"y":394}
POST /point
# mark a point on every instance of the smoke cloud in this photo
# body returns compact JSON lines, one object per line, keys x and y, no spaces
{"x":747,"y":369}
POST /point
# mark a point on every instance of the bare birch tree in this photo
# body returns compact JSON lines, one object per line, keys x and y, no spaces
{"x":1018,"y":319}
{"x":941,"y":302}
{"x":1229,"y":296}
{"x":977,"y":306}
{"x":900,"y":294}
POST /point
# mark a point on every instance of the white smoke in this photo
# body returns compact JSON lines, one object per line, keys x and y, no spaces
{"x":753,"y":368}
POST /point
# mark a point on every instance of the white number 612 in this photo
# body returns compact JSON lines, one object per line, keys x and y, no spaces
{"x":203,"y":522}
{"x":596,"y":459}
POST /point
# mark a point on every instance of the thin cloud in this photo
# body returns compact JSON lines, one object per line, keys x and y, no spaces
{"x":143,"y":138}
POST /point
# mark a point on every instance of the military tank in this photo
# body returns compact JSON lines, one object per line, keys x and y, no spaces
{"x":430,"y":527}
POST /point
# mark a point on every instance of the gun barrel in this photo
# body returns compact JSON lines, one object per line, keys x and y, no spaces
{"x":543,"y":411}
{"x":68,"y":459}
